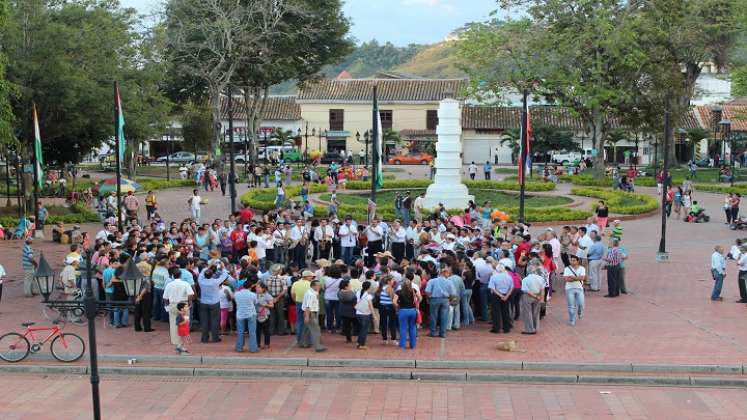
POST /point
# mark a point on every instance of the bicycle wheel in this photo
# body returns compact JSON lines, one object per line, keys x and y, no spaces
{"x":68,"y":347}
{"x":52,"y":314}
{"x":14,"y":347}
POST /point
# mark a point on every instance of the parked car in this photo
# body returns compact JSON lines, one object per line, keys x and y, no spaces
{"x":178,"y":157}
{"x":267,"y":152}
{"x":703,"y":163}
{"x":330,"y":157}
{"x":416,"y":159}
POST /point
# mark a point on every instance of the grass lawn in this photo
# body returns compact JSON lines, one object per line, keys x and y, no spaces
{"x":497,"y":199}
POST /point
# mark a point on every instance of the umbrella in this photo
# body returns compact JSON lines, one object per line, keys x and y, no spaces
{"x":110,"y":185}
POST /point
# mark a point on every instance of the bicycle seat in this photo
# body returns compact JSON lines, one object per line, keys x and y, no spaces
{"x":28,"y":324}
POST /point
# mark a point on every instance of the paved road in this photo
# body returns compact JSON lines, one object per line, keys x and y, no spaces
{"x":62,"y":398}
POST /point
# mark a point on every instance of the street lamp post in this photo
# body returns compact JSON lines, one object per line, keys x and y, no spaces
{"x":232,"y":164}
{"x":662,"y":255}
{"x":7,"y":176}
{"x":168,"y":152}
{"x":725,"y":126}
{"x":132,"y":281}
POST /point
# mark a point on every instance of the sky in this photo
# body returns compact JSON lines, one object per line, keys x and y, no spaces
{"x":400,"y":22}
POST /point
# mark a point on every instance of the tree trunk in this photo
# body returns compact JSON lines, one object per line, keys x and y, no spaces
{"x":214,"y":94}
{"x":597,"y":141}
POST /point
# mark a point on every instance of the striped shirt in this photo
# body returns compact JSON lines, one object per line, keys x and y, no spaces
{"x":384,"y":298}
{"x":27,"y":258}
{"x":614,"y":256}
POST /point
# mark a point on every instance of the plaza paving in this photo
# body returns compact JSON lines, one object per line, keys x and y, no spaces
{"x":667,"y":316}
{"x":68,"y":397}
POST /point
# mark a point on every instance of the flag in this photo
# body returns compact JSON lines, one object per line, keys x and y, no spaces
{"x":525,"y":144}
{"x":379,"y":146}
{"x":38,"y":151}
{"x":121,"y":143}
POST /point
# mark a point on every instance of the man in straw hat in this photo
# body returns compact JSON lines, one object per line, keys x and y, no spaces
{"x":298,"y":291}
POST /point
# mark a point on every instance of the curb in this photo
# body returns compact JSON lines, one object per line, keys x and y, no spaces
{"x":529,"y":366}
{"x":449,"y":377}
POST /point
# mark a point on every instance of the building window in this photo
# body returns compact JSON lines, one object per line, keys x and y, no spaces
{"x":431,"y":119}
{"x":386,"y":119}
{"x":336,"y":145}
{"x":337,"y":119}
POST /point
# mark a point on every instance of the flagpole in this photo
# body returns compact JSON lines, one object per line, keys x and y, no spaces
{"x":523,"y":157}
{"x":34,"y":166}
{"x":375,"y":163}
{"x":116,"y":154}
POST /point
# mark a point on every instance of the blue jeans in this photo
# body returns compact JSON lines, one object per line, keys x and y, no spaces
{"x":121,"y":316}
{"x":159,"y":313}
{"x":333,"y":314}
{"x":299,"y":322}
{"x":405,"y":217}
{"x":484,"y":295}
{"x":718,"y":282}
{"x":467,"y":316}
{"x":407,"y":328}
{"x":439,"y":313}
{"x":347,"y":254}
{"x":243,"y":326}
{"x":364,"y":324}
{"x":575,"y":300}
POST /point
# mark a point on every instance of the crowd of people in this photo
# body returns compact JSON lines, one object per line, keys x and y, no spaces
{"x":281,"y":273}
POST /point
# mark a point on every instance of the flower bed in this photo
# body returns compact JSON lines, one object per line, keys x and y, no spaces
{"x":618,"y":201}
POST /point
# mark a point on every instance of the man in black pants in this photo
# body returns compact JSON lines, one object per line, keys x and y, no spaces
{"x":742,"y":279}
{"x":375,"y":235}
{"x":143,"y":306}
{"x":501,"y":285}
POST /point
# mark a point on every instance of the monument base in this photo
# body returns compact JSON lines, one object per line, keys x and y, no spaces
{"x":451,"y":196}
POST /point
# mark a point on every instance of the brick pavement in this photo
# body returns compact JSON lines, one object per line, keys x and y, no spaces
{"x":62,"y":398}
{"x":666,"y":318}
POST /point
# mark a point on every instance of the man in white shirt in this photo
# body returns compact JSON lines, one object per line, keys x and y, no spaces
{"x":412,"y":239}
{"x":298,"y":242}
{"x":104,"y":233}
{"x":418,"y":206}
{"x":374,"y":234}
{"x":281,"y":238}
{"x":175,"y":292}
{"x":348,"y":234}
{"x":483,"y":272}
{"x":398,"y":237}
{"x":742,"y":263}
{"x":718,"y":271}
{"x":194,"y":205}
{"x":312,"y":335}
{"x":472,"y":171}
{"x":584,"y":243}
{"x":324,"y":235}
{"x":533,"y":294}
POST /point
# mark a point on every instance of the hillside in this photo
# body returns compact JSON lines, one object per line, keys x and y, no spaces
{"x":436,"y":61}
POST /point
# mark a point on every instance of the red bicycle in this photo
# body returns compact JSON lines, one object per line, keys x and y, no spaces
{"x":66,"y":347}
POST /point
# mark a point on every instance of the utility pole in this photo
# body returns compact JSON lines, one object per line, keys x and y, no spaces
{"x":232,"y":170}
{"x":662,"y":255}
{"x":523,"y":157}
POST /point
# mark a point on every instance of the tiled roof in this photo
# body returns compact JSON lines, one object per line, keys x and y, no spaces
{"x":506,"y":118}
{"x":276,"y":108}
{"x":736,"y":113}
{"x":389,"y":90}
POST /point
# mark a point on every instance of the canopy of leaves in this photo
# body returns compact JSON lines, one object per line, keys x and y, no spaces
{"x":371,"y":57}
{"x":64,"y":57}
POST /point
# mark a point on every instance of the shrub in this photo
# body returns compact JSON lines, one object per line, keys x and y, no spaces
{"x":725,"y":189}
{"x":76,"y":214}
{"x":620,"y":202}
{"x":264,"y":198}
{"x":483,"y":185}
{"x":162,"y":184}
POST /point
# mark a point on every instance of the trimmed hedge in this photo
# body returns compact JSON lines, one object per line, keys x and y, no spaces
{"x":620,"y":202}
{"x":722,"y":188}
{"x":264,"y":198}
{"x":480,"y":185}
{"x":78,"y":214}
{"x":162,"y":184}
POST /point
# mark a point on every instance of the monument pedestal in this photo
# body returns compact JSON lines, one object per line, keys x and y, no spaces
{"x":448,"y":188}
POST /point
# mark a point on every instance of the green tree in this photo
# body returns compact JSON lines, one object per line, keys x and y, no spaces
{"x":197,"y":125}
{"x":739,"y":81}
{"x":6,"y":90}
{"x":299,"y":40}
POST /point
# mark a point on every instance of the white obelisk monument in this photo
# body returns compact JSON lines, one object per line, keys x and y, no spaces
{"x":448,"y":187}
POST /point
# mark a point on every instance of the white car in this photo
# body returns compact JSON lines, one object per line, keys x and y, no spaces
{"x":570,"y":158}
